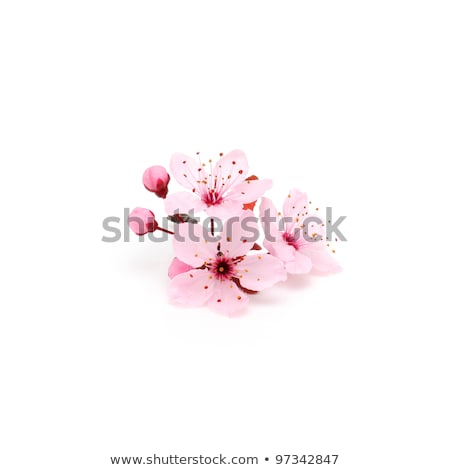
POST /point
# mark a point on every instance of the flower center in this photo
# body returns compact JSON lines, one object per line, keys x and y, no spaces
{"x":212,"y":197}
{"x":291,"y":240}
{"x":222,"y":268}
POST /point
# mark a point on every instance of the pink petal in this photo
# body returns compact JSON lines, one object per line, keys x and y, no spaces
{"x":280,"y":250}
{"x":300,"y":265}
{"x":227,"y":298}
{"x":239,"y":235}
{"x":322,"y":260}
{"x":193,"y":244}
{"x":183,"y":202}
{"x":258,"y":272}
{"x":192,"y":288}
{"x":225,"y":210}
{"x":269,"y":217}
{"x":178,"y":267}
{"x":230,"y":170}
{"x":295,"y":207}
{"x":187,"y":171}
{"x":250,"y":190}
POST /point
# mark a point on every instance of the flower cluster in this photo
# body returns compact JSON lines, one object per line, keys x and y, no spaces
{"x":220,"y":262}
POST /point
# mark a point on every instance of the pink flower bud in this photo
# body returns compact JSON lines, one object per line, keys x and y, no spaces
{"x":178,"y":267}
{"x":142,"y":221}
{"x":156,"y":180}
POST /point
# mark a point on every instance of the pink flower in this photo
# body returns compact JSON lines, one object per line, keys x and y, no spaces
{"x":156,"y":180}
{"x":142,"y":221}
{"x":222,"y":270}
{"x":221,"y":191}
{"x":300,"y":244}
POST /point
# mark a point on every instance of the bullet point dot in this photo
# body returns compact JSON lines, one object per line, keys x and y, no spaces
{"x":267,"y":459}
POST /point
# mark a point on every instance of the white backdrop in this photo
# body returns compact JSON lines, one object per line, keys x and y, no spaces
{"x":348,"y":101}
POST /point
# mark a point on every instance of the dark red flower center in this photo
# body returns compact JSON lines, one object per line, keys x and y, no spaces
{"x":291,"y":239}
{"x":223,"y":268}
{"x":212,"y":198}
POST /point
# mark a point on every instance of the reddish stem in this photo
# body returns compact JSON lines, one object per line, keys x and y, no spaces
{"x":164,"y":230}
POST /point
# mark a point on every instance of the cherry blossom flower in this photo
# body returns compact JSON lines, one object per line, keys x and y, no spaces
{"x":221,"y":192}
{"x":156,"y":180}
{"x":223,"y":271}
{"x":299,"y":244}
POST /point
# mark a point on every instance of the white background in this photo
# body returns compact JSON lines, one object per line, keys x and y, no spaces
{"x":348,"y":101}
